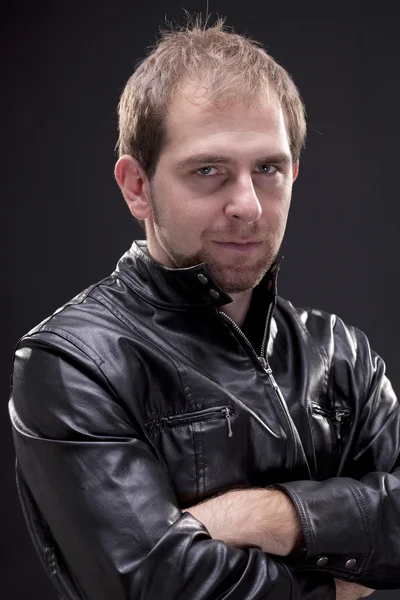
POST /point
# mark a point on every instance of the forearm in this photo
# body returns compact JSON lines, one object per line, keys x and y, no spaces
{"x":262,"y":518}
{"x":265,"y":519}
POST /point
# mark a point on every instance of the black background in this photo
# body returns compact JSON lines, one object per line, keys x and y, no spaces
{"x":64,"y":223}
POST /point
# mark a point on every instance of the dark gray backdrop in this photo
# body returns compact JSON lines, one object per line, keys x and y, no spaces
{"x":62,"y":68}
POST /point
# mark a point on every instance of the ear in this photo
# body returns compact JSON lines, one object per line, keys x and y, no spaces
{"x":134,"y":185}
{"x":295,"y":170}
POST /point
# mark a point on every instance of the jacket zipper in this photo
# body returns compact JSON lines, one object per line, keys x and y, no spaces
{"x":266,"y":366}
{"x":198,"y":415}
{"x":240,"y":332}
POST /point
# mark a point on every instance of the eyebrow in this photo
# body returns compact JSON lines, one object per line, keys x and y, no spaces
{"x":280,"y":158}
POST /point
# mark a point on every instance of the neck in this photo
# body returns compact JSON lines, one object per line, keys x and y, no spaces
{"x":238,"y":308}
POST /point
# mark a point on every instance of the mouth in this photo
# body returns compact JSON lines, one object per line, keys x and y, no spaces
{"x":239,"y":246}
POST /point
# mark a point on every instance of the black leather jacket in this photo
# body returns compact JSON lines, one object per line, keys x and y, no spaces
{"x":139,"y":398}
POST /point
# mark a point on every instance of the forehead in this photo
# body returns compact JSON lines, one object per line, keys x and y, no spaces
{"x":238,"y":125}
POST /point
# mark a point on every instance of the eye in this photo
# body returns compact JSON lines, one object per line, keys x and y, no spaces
{"x":267,"y":169}
{"x":205,"y":171}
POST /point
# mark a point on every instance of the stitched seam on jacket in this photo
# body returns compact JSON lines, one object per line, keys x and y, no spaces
{"x":196,"y":463}
{"x":75,"y":301}
{"x":201,"y":461}
{"x":317,"y":347}
{"x":71,"y":341}
{"x":75,"y":342}
{"x":104,"y":302}
{"x":299,"y":505}
{"x":367,"y":387}
{"x":366,"y":522}
{"x":331,"y":385}
{"x":40,"y":325}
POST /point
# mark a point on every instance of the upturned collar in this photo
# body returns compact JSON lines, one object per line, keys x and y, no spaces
{"x":181,"y":288}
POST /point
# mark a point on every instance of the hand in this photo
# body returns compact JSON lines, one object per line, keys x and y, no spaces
{"x":351,"y":591}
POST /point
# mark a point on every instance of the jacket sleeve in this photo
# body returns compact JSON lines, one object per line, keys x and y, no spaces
{"x":108,"y":500}
{"x":351,"y":523}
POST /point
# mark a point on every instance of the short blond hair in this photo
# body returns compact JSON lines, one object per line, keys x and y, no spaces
{"x":225,"y":63}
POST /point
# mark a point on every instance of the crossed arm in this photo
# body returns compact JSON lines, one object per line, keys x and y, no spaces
{"x":113,"y":511}
{"x":262,"y":518}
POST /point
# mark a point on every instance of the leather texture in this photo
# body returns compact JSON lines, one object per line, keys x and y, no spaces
{"x":139,"y":398}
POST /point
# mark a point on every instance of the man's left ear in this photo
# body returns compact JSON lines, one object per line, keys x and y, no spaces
{"x":295,"y":170}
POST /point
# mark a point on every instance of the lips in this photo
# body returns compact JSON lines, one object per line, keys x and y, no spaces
{"x":239,"y":246}
{"x":241,"y":242}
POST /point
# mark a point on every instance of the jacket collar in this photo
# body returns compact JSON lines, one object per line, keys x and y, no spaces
{"x":185,"y":288}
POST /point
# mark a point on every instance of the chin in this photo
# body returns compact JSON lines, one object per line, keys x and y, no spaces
{"x":239,"y":282}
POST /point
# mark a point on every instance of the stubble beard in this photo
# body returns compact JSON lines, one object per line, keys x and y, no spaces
{"x":233,"y":277}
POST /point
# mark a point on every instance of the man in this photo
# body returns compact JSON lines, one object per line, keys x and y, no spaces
{"x":181,"y":432}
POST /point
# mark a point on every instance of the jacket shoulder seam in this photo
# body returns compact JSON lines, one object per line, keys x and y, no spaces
{"x":67,"y":335}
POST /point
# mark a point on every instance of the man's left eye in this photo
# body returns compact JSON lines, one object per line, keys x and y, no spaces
{"x":205,"y":171}
{"x":267,"y":168}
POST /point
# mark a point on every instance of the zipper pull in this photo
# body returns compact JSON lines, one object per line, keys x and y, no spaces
{"x":228,"y":418}
{"x":268,"y":370}
{"x":339,"y":416}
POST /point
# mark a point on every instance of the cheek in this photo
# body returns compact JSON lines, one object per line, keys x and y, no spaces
{"x":280,"y":198}
{"x":275,"y":210}
{"x":186,"y":219}
{"x":197,"y":210}
{"x":280,"y":184}
{"x":187,"y":204}
{"x":281,"y":211}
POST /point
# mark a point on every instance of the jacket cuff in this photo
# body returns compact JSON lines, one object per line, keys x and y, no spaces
{"x":335,"y":527}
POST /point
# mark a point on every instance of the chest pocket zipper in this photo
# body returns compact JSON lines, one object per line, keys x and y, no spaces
{"x":338,"y":418}
{"x":205,"y":414}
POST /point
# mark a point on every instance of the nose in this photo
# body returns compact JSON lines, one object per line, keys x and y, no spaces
{"x":243,"y":202}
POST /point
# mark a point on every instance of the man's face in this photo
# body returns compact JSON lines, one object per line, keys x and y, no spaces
{"x":224,"y":178}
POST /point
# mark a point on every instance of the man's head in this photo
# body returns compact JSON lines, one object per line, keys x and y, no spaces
{"x":211,"y":130}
